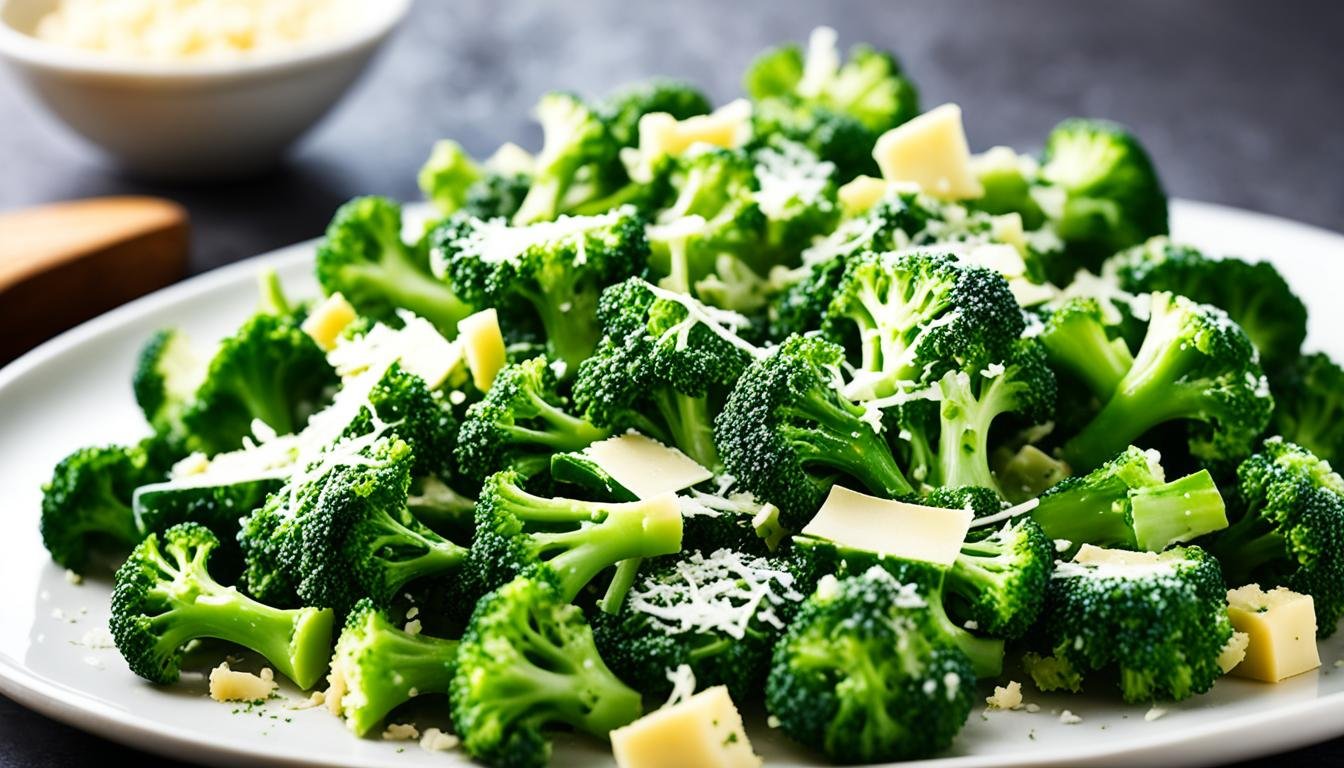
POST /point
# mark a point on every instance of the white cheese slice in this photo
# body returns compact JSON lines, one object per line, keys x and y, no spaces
{"x":483,"y":345}
{"x":704,"y":731}
{"x":930,"y":150}
{"x":646,"y":467}
{"x":327,"y":321}
{"x":1281,"y":625}
{"x":889,"y":527}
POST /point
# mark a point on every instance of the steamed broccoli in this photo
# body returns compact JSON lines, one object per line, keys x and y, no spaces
{"x":864,"y":674}
{"x":364,"y":258}
{"x":1128,"y":503}
{"x":496,"y":195}
{"x":381,"y":666}
{"x":796,"y":193}
{"x":165,"y":597}
{"x":1309,"y":405}
{"x":1158,"y":621}
{"x":527,"y":663}
{"x":1291,"y":529}
{"x":167,"y":375}
{"x":787,"y":433}
{"x":521,"y":421}
{"x":1079,"y":341}
{"x":998,"y":581}
{"x":666,"y":362}
{"x":568,"y":540}
{"x":578,"y":158}
{"x":1253,"y":294}
{"x":622,"y":110}
{"x":557,"y":269}
{"x":1194,"y":364}
{"x":447,"y":175}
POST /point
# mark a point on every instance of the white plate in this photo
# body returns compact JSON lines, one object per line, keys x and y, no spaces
{"x":75,"y":390}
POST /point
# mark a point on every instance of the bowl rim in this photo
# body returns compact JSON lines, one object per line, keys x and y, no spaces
{"x":382,"y":17}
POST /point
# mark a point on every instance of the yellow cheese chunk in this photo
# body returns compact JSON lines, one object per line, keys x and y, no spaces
{"x":646,"y":467}
{"x":890,"y":527}
{"x":1281,"y":625}
{"x":228,"y":685}
{"x":483,"y":345}
{"x":862,"y":193}
{"x":1233,"y":653}
{"x":705,"y":731}
{"x":930,"y":150}
{"x":327,"y":321}
{"x":661,"y":135}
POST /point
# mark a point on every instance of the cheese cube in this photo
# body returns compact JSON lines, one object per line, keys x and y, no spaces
{"x":705,"y":731}
{"x":327,"y":321}
{"x":1281,"y":625}
{"x":862,"y":193}
{"x":646,"y":467}
{"x":889,"y":527}
{"x":930,"y":150}
{"x":661,"y":134}
{"x":483,"y":345}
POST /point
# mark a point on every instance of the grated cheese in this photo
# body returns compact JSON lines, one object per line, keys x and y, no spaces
{"x":719,"y":593}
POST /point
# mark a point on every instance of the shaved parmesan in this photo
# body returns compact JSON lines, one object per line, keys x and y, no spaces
{"x":890,"y":527}
{"x":644,"y":466}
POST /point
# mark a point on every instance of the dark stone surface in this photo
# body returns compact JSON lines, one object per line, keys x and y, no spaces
{"x":1238,"y":101}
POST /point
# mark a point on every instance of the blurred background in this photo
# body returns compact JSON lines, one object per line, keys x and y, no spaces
{"x":1238,"y":101}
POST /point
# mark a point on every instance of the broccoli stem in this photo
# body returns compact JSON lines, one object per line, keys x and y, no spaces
{"x":111,"y":522}
{"x":1092,"y":513}
{"x":407,"y":287}
{"x":986,"y":654}
{"x":587,"y":697}
{"x":566,"y":433}
{"x":626,"y":532}
{"x":1079,"y":345}
{"x":568,"y":314}
{"x":843,"y":441}
{"x":620,"y":585}
{"x":393,"y":543}
{"x":963,"y":442}
{"x":542,"y":201}
{"x":690,"y":425}
{"x":1246,"y":546}
{"x":403,"y":666}
{"x":1181,"y":510}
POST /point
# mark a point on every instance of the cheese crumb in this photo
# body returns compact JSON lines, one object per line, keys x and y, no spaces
{"x":97,"y":639}
{"x":1006,"y":697}
{"x":336,"y":689}
{"x":413,"y":627}
{"x":314,"y":700}
{"x":400,"y":732}
{"x":229,"y":685}
{"x":1154,"y":714}
{"x":436,"y":740}
{"x":73,"y":578}
{"x":1033,"y":708}
{"x":412,"y":612}
{"x":1068,"y":718}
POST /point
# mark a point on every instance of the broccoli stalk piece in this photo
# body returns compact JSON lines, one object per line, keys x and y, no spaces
{"x":577,"y":148}
{"x":381,"y":666}
{"x":1291,"y":531}
{"x":557,"y":269}
{"x":364,"y":259}
{"x":167,"y":375}
{"x":1159,"y":621}
{"x":526,"y":663}
{"x":165,"y":597}
{"x":972,"y":400}
{"x":1308,"y":409}
{"x":788,"y":434}
{"x":1128,"y":503}
{"x":1076,"y":340}
{"x":521,"y":419}
{"x":571,"y":541}
{"x":864,"y":675}
{"x":917,"y":316}
{"x":667,"y":356}
{"x":1194,"y":364}
{"x":999,"y":581}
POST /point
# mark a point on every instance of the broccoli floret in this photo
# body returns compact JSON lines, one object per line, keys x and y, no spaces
{"x":341,"y":531}
{"x":1111,"y":196}
{"x":558,"y":269}
{"x":981,"y":501}
{"x":381,"y":666}
{"x":364,"y":259}
{"x":1128,"y":503}
{"x":1159,"y":621}
{"x":666,"y":363}
{"x":796,"y":194}
{"x":578,"y":158}
{"x":411,"y":411}
{"x":218,"y":504}
{"x":528,"y":663}
{"x":723,"y":516}
{"x":864,"y":675}
{"x":788,"y":434}
{"x":717,"y":612}
{"x":165,"y":597}
{"x":522,"y":419}
{"x":167,"y":375}
{"x":1308,"y":409}
{"x":447,"y":175}
{"x":998,"y":581}
{"x":1291,"y":529}
{"x":832,"y":136}
{"x":1253,"y":294}
{"x":569,"y":540}
{"x":1194,"y":364}
{"x":1077,"y":339}
{"x":971,"y":400}
{"x":496,"y":195}
{"x":622,"y":110}
{"x":1008,"y":180}
{"x":87,"y":504}
{"x":917,"y":316}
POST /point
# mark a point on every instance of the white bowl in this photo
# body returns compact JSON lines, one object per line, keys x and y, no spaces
{"x":192,"y":120}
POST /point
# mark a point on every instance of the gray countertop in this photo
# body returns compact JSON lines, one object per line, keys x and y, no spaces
{"x":1238,"y":101}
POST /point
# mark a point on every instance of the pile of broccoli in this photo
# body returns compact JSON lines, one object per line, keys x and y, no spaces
{"x":1131,"y":427}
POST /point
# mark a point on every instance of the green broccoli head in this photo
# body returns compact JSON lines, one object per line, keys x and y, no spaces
{"x":864,"y":675}
{"x":496,"y":195}
{"x":1253,"y":294}
{"x":1157,"y":621}
{"x":403,"y":405}
{"x":528,"y":663}
{"x":382,"y":666}
{"x":831,"y":135}
{"x":1194,"y":365}
{"x":1291,"y":530}
{"x":522,"y":419}
{"x":999,"y":581}
{"x":788,"y":434}
{"x":556,"y":268}
{"x":164,"y":598}
{"x":981,"y":501}
{"x":797,"y":196}
{"x":447,"y":175}
{"x":1079,"y":341}
{"x":622,"y":110}
{"x":917,"y":315}
{"x":364,"y":258}
{"x":1308,"y":405}
{"x":568,"y":541}
{"x":578,"y":157}
{"x":167,"y":375}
